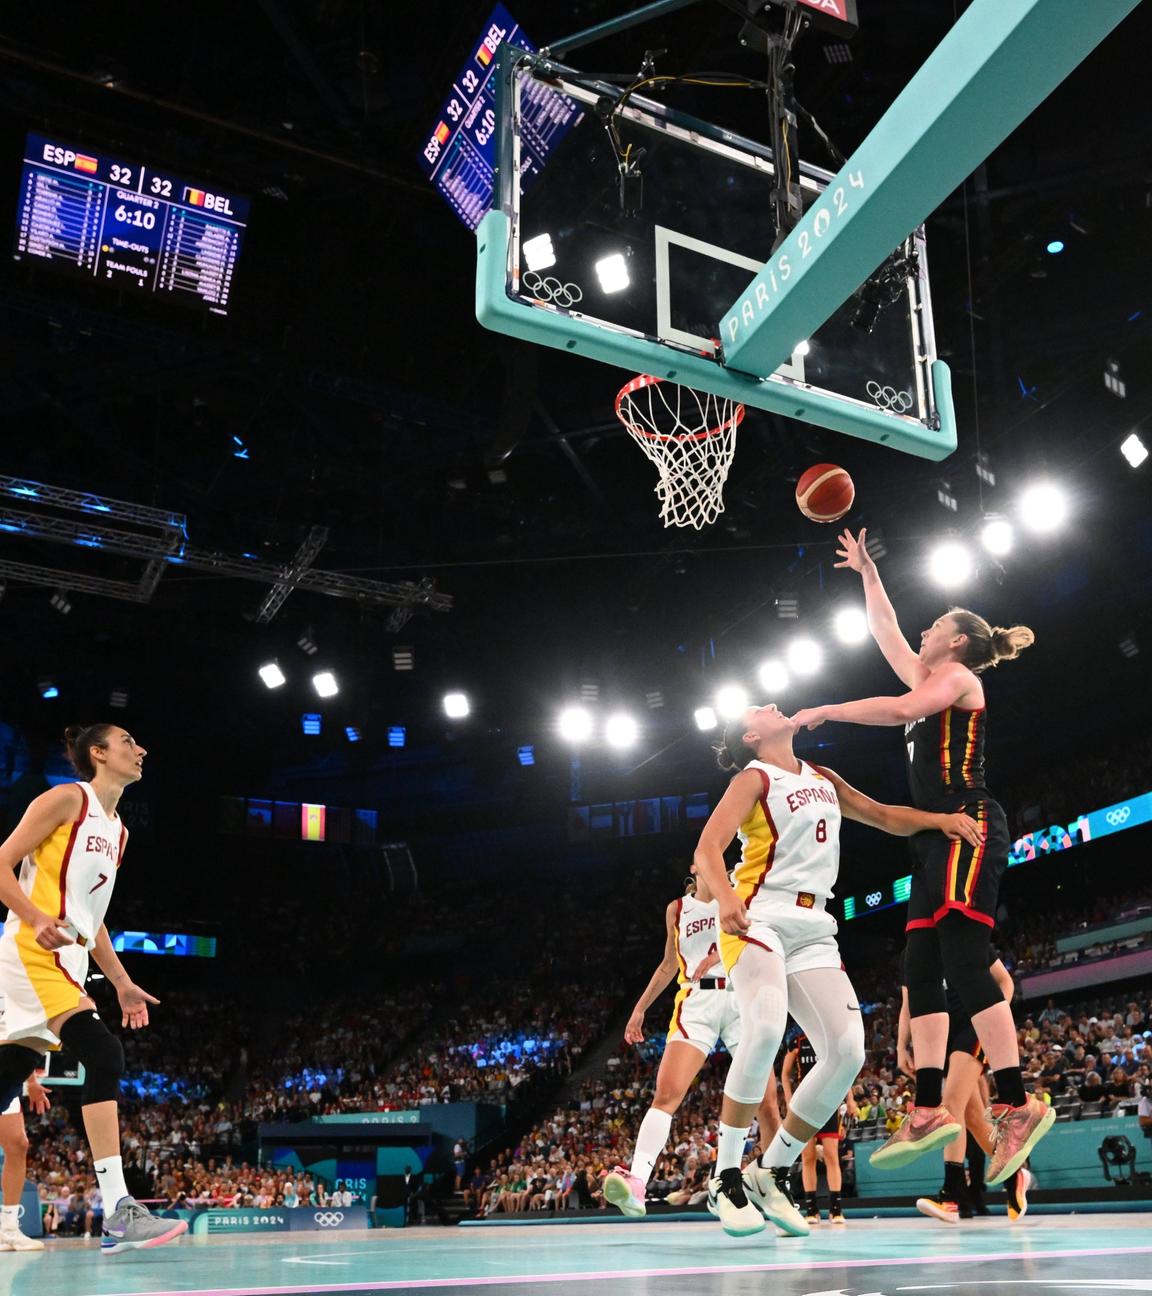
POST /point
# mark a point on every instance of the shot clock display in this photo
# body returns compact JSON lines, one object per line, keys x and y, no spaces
{"x":100,"y":216}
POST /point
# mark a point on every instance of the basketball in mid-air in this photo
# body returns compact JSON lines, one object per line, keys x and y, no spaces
{"x":825,"y":493}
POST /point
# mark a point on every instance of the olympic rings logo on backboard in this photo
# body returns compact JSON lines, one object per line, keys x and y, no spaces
{"x":329,"y":1219}
{"x":551,"y":291}
{"x":873,"y":899}
{"x":899,"y":402}
{"x":1117,"y":817}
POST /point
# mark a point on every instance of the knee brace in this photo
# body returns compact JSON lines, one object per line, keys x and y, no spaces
{"x":965,"y":947}
{"x":924,"y":973}
{"x":100,"y":1051}
{"x":763,"y":1016}
{"x":16,"y":1064}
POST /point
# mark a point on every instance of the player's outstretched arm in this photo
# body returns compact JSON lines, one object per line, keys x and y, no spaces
{"x":901,"y":821}
{"x":882,"y":621}
{"x":951,"y":685}
{"x":661,"y":978}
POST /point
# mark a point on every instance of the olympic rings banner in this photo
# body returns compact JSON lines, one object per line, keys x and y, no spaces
{"x":1032,"y":846}
{"x":277,"y":1219}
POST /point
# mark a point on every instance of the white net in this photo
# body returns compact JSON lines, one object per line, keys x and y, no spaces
{"x":690,"y":436}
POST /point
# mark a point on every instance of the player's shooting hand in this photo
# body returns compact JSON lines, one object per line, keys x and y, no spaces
{"x":733,"y":915}
{"x":962,"y":826}
{"x":634,"y":1031}
{"x":50,"y":932}
{"x":852,"y":551}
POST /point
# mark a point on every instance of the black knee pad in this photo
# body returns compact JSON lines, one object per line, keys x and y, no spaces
{"x":966,"y":949}
{"x":16,"y":1064}
{"x":924,"y":973}
{"x":101,"y":1053}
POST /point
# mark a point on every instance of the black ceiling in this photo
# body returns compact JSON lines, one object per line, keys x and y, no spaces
{"x":371,"y":401}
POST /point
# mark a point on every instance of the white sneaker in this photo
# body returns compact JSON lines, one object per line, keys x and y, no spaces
{"x":14,"y":1240}
{"x":769,"y":1190}
{"x":728,"y":1200}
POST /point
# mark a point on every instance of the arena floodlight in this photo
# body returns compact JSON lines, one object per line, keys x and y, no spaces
{"x":705,"y":718}
{"x":1043,"y":507}
{"x":950,"y":564}
{"x":773,"y":677}
{"x":272,"y":675}
{"x":324,"y":682}
{"x":851,"y":625}
{"x":997,"y":537}
{"x":456,"y":706}
{"x":621,"y":730}
{"x":575,"y":724}
{"x":538,"y":252}
{"x":731,"y":701}
{"x":612,"y":271}
{"x":805,"y":656}
{"x":1134,"y":450}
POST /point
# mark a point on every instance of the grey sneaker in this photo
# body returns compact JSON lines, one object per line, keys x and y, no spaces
{"x":132,"y":1226}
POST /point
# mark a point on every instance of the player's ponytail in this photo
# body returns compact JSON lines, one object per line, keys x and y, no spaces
{"x":732,"y":752}
{"x":79,"y":741}
{"x":988,"y":645}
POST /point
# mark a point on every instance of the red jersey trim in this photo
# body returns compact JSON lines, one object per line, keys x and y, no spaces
{"x":68,"y":853}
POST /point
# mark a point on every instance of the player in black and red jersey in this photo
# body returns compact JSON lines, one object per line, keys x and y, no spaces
{"x":952,"y":905}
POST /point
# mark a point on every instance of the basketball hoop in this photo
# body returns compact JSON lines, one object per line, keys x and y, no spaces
{"x":690,"y":436}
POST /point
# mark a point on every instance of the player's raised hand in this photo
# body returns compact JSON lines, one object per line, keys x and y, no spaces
{"x":852,"y":551}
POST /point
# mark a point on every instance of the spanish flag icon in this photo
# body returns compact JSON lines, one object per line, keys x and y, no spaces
{"x":312,"y":824}
{"x":442,"y":132}
{"x":89,"y":165}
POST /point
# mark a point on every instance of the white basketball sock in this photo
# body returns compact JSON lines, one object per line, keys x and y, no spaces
{"x":730,"y":1151}
{"x":650,"y":1141}
{"x":9,"y":1219}
{"x":782,"y":1151}
{"x":110,"y":1180}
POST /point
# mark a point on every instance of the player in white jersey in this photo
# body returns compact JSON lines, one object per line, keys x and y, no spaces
{"x":778,"y":943}
{"x":703,"y":1014}
{"x":69,"y":845}
{"x":14,"y":1142}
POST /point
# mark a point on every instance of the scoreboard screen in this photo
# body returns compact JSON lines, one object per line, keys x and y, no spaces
{"x":103,"y":217}
{"x":459,"y":155}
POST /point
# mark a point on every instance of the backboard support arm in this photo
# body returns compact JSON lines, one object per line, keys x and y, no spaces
{"x":990,"y":71}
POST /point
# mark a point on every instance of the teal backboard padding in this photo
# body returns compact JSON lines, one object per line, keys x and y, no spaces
{"x":1000,"y":60}
{"x":503,"y":314}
